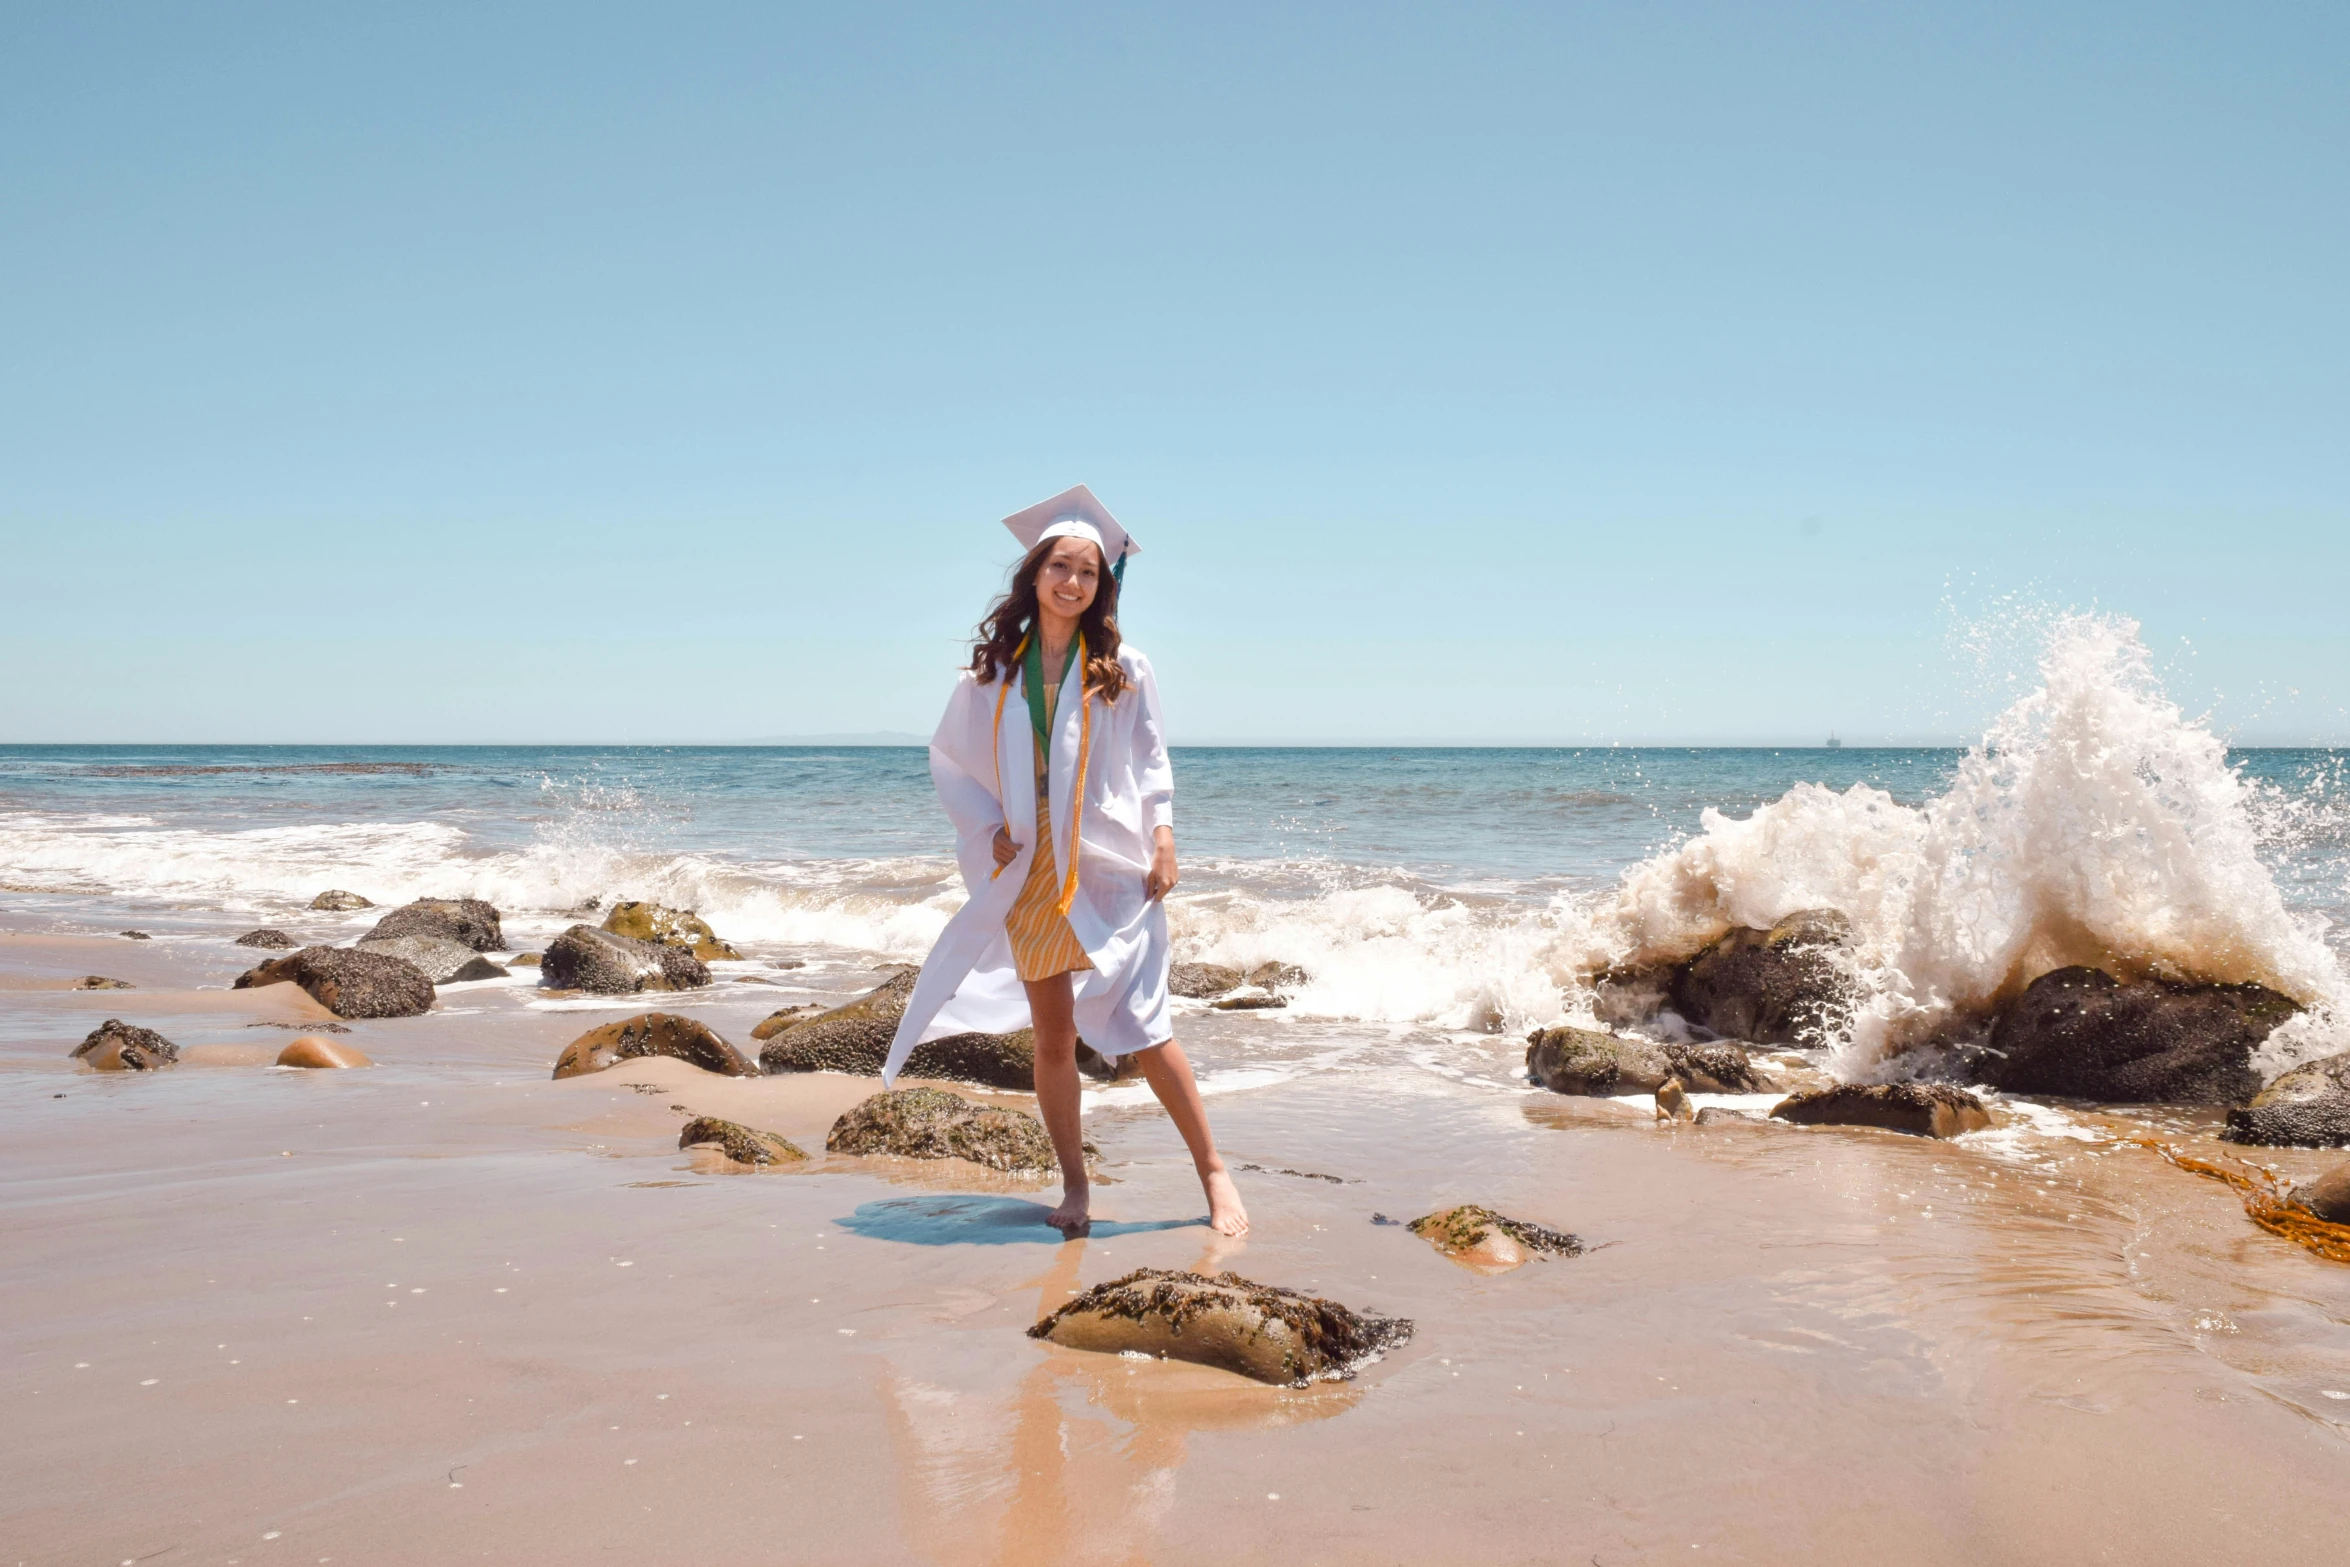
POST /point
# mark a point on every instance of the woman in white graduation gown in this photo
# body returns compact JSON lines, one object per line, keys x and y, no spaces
{"x":1053,"y":766}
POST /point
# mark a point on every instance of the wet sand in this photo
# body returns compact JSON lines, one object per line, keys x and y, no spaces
{"x":444,"y":1308}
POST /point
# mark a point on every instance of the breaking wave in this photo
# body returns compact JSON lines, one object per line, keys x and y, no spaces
{"x":2093,"y":823}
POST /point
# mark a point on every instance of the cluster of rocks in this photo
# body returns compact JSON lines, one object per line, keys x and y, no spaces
{"x":2075,"y":1032}
{"x":116,"y":1046}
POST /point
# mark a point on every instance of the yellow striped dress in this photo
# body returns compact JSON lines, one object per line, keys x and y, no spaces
{"x":1042,"y":942}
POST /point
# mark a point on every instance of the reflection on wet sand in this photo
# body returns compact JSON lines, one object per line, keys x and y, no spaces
{"x":1076,"y":1460}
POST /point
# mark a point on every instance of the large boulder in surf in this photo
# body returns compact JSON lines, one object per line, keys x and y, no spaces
{"x":269,"y":937}
{"x":2082,"y":1033}
{"x":1487,"y":1242}
{"x":2308,"y":1107}
{"x":1782,"y":986}
{"x":1919,"y":1109}
{"x":854,"y":1038}
{"x":668,"y":927}
{"x":468,"y":920}
{"x":1258,"y":1330}
{"x":652,"y":1034}
{"x":743,"y":1144}
{"x":1568,"y":1060}
{"x":116,"y":1046}
{"x":930,"y":1123}
{"x":348,"y":982}
{"x":1202,"y":981}
{"x":336,"y":901}
{"x":442,"y":961}
{"x":585,"y":958}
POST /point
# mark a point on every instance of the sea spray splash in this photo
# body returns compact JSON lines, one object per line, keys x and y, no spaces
{"x":2095,"y":823}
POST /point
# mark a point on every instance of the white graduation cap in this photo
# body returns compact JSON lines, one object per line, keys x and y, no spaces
{"x":1075,"y":514}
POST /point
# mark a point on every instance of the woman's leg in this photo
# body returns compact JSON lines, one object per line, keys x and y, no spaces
{"x":1169,"y":1072}
{"x":1052,"y":1007}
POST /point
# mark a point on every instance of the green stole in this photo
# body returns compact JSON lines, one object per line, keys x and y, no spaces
{"x":1032,"y":677}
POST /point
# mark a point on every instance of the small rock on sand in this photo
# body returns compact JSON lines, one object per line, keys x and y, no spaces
{"x":1260,"y":1331}
{"x":116,"y":1046}
{"x":468,"y":920}
{"x":2327,"y":1197}
{"x":1672,"y":1101}
{"x":441,"y":960}
{"x":1919,"y":1109}
{"x":336,"y":901}
{"x":313,"y":1051}
{"x":585,"y":958}
{"x":1249,"y":998}
{"x":1487,"y":1242}
{"x":138,"y":935}
{"x":652,"y":1034}
{"x":782,"y":1018}
{"x":667,"y":927}
{"x":1719,"y":1115}
{"x":347,"y":982}
{"x":743,"y":1144}
{"x":1199,"y":981}
{"x":523,"y":960}
{"x":101,"y":982}
{"x":267,"y":936}
{"x":2308,"y":1107}
{"x":930,"y":1123}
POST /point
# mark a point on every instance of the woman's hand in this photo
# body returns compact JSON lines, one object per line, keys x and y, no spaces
{"x":1162,"y":876}
{"x":1006,"y":851}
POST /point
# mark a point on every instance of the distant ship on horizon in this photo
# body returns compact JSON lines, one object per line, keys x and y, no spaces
{"x":1834,"y":744}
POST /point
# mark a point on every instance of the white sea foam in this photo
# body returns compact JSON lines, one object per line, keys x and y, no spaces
{"x":2094,"y":823}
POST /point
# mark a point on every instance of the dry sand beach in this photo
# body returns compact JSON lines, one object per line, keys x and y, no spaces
{"x":446,"y":1308}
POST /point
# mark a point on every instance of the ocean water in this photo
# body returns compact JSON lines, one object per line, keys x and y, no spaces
{"x":1454,"y":892}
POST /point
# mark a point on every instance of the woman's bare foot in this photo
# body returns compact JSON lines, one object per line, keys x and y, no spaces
{"x":1075,"y":1215}
{"x":1226,"y":1216}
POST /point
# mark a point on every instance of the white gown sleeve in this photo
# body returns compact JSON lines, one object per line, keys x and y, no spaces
{"x":1154,"y":773}
{"x":963,"y":766}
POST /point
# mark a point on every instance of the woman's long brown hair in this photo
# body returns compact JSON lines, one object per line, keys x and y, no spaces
{"x":996,"y":653}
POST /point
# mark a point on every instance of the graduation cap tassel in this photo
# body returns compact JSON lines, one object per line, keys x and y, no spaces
{"x":1118,"y":572}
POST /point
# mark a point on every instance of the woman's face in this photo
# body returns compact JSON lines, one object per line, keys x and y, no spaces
{"x":1069,"y":578}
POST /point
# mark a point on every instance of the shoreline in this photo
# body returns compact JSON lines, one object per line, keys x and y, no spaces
{"x":445,"y":1306}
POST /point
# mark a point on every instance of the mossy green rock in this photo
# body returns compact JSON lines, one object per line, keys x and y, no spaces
{"x":743,"y":1144}
{"x":930,"y":1123}
{"x":669,"y":927}
{"x":1261,"y":1331}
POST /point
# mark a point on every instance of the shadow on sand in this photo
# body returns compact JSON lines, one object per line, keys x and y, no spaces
{"x":980,"y":1221}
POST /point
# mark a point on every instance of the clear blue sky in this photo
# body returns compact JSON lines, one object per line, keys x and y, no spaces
{"x":1599,"y":372}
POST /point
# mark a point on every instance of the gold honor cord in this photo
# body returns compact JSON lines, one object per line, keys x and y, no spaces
{"x":1084,"y":757}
